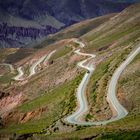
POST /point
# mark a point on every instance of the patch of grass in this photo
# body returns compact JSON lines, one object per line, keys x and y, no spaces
{"x":19,"y":55}
{"x":131,"y":38}
{"x":7,"y":78}
{"x":61,"y":52}
{"x":129,"y":84}
{"x":137,"y":58}
{"x":27,"y":70}
{"x":122,"y":127}
{"x":121,"y":136}
{"x":99,"y":72}
{"x":4,"y":52}
{"x":108,"y":39}
{"x":52,"y":96}
{"x":88,"y":117}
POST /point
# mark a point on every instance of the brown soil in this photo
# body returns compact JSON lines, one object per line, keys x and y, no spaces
{"x":8,"y":103}
{"x":121,"y":97}
{"x":20,"y":117}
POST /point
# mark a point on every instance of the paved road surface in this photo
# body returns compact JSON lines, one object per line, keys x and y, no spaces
{"x":18,"y":77}
{"x":43,"y":58}
{"x":49,"y":56}
{"x":121,"y":112}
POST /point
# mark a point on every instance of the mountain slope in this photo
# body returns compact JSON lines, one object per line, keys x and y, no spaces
{"x":65,"y":11}
{"x":124,"y":25}
{"x":56,"y":14}
{"x":45,"y":99}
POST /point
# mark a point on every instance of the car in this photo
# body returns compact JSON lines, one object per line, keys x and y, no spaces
{"x":88,"y":71}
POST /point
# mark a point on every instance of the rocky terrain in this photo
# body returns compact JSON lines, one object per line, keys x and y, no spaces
{"x":22,"y":35}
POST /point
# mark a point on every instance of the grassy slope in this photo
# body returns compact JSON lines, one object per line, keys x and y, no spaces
{"x":60,"y":52}
{"x":59,"y":102}
{"x":127,"y":128}
{"x":123,"y":31}
{"x":76,"y":30}
{"x":128,"y":125}
{"x":19,"y":55}
{"x":97,"y":86}
{"x":129,"y":84}
{"x":5,"y":52}
{"x":119,"y":30}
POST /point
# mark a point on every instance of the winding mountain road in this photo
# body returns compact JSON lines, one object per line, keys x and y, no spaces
{"x":81,"y":44}
{"x":18,"y":77}
{"x":120,"y":111}
{"x":43,"y":58}
{"x":49,"y":56}
{"x":32,"y":69}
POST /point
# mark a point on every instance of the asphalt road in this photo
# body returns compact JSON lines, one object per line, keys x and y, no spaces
{"x":32,"y":69}
{"x":49,"y":56}
{"x":18,"y":77}
{"x":121,"y":112}
{"x":43,"y":58}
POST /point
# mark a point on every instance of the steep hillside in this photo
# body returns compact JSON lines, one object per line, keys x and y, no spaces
{"x":66,"y":11}
{"x":112,"y":33}
{"x":29,"y":22}
{"x":35,"y":105}
{"x":76,"y":30}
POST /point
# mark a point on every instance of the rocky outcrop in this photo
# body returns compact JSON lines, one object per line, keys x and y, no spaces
{"x":21,"y":36}
{"x":22,"y":117}
{"x":30,"y":115}
{"x":8,"y":103}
